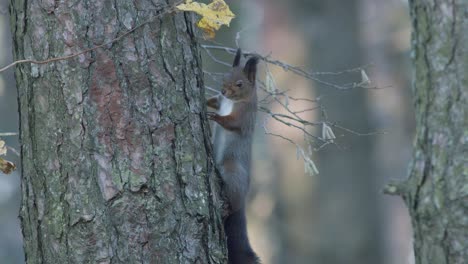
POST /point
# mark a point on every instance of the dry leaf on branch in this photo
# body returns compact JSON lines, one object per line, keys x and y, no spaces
{"x":214,"y":15}
{"x":3,"y":149}
{"x":5,"y":166}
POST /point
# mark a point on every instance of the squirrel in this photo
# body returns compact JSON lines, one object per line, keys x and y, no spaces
{"x":236,"y":109}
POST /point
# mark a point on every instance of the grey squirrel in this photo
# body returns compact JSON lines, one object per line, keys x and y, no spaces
{"x":235,"y":117}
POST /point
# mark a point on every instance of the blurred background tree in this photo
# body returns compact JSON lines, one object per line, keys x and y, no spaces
{"x":339,"y":216}
{"x":345,"y":204}
{"x":436,"y":192}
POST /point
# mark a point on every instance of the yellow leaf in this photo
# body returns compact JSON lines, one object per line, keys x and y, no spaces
{"x":3,"y":149}
{"x":214,"y":15}
{"x":6,"y":166}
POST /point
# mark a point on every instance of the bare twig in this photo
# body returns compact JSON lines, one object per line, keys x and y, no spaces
{"x":357,"y":133}
{"x":279,"y":118}
{"x":8,"y":134}
{"x":14,"y":151}
{"x":215,"y":59}
{"x":211,"y":89}
{"x":297,"y":70}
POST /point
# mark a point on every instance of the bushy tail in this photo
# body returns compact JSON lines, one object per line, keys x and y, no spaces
{"x":239,"y":249}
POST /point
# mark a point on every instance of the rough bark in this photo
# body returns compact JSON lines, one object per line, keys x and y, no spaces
{"x":114,"y":143}
{"x":436,"y":192}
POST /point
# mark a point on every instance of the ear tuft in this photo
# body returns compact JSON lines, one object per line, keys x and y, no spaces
{"x":250,"y":68}
{"x":237,"y":58}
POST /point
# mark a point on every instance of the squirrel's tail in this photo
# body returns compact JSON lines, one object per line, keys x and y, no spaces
{"x":239,"y":249}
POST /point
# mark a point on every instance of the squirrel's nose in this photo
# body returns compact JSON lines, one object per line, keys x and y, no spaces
{"x":223,"y":92}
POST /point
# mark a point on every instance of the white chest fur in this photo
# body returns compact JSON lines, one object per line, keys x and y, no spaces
{"x":221,"y":136}
{"x":225,"y":107}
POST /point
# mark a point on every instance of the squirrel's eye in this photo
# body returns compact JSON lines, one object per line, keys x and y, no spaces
{"x":239,"y":83}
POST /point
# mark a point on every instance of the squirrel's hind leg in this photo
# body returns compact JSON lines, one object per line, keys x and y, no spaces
{"x":236,"y":183}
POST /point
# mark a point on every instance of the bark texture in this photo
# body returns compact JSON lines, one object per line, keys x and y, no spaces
{"x":114,"y":142}
{"x":436,"y":192}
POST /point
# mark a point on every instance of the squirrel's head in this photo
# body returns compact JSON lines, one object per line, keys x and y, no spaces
{"x":239,"y":84}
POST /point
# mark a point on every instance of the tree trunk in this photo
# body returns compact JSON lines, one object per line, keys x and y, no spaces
{"x":436,"y":192}
{"x":115,"y":156}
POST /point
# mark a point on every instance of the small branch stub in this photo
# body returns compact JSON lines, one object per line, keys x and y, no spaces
{"x":393,"y":189}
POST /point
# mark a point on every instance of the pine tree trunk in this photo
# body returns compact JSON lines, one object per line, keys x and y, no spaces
{"x":436,"y":192}
{"x":115,"y":158}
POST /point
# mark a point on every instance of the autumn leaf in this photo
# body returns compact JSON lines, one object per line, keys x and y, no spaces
{"x":3,"y":149}
{"x":214,"y":15}
{"x":6,"y":166}
{"x":327,"y":133}
{"x":365,"y":81}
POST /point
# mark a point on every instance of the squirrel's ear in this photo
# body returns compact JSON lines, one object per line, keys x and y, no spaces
{"x":237,"y":58}
{"x":250,"y":69}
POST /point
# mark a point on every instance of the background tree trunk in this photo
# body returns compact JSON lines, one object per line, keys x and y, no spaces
{"x":114,"y":144}
{"x":436,"y":192}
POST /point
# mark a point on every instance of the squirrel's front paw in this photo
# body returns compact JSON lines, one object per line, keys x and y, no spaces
{"x":212,"y":116}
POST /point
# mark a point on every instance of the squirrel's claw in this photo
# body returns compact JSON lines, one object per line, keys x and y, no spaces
{"x":211,"y":115}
